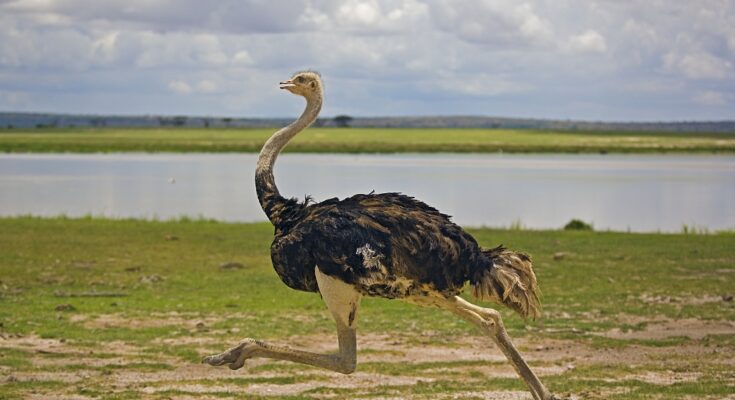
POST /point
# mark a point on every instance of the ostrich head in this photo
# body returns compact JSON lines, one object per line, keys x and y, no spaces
{"x":304,"y":83}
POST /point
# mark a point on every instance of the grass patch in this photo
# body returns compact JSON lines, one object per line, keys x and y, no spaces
{"x":14,"y":358}
{"x":605,"y":281}
{"x":362,"y":140}
{"x":412,"y":368}
{"x":13,"y":389}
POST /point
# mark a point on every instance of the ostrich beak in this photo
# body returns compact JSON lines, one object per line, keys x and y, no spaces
{"x":288,"y":84}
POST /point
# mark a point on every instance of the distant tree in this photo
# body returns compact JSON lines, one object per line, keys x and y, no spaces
{"x":206,"y":122}
{"x":51,"y":124}
{"x":98,"y":121}
{"x":343,"y":120}
{"x":227,"y":121}
{"x":179,"y":120}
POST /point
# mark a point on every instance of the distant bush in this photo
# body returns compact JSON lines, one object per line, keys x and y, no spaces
{"x":343,"y":121}
{"x":577,"y":225}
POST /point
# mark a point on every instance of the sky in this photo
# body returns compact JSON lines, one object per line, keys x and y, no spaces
{"x":624,"y":60}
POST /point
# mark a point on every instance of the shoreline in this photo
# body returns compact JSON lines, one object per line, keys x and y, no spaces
{"x":364,"y":140}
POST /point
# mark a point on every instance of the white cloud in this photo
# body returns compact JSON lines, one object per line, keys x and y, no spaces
{"x":368,"y":16}
{"x":242,"y":57}
{"x":588,"y":42}
{"x":711,"y":98}
{"x":697,"y":64}
{"x":203,"y":86}
{"x":359,"y":12}
{"x":522,"y":58}
{"x":179,"y":87}
{"x":207,"y":86}
{"x":492,"y":22}
{"x":641,"y":33}
{"x":103,"y":48}
{"x":176,"y":49}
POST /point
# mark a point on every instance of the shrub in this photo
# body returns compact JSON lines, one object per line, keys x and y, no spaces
{"x":577,"y":225}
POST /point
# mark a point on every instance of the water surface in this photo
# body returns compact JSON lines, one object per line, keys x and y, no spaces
{"x":620,"y":192}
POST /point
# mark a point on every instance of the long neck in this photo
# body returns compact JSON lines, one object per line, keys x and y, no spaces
{"x":269,"y":197}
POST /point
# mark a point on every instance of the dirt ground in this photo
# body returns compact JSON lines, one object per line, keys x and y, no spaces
{"x":393,"y":362}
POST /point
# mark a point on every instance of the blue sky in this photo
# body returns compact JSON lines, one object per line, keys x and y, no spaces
{"x":595,"y":60}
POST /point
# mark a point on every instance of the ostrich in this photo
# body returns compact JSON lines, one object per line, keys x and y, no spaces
{"x":387,"y":245}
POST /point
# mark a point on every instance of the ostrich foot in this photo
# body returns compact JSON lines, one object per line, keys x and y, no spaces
{"x":342,"y":301}
{"x":234,"y":357}
{"x":343,"y":362}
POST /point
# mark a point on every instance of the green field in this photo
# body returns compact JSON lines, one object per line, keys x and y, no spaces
{"x":357,"y":140}
{"x":94,"y":308}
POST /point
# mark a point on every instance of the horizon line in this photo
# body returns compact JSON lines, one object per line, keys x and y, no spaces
{"x":371,"y":117}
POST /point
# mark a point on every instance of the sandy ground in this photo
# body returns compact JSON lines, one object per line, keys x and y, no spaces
{"x":55,"y":360}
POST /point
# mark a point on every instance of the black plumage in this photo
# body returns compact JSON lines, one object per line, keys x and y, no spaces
{"x":387,"y":245}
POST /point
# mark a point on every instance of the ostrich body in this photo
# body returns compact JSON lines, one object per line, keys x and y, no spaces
{"x":386,"y":245}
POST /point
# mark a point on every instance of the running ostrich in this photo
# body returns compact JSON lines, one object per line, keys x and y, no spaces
{"x":386,"y":245}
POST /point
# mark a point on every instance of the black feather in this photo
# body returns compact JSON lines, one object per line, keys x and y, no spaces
{"x":411,"y":247}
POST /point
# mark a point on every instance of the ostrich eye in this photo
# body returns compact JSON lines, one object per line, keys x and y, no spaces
{"x":300,"y":79}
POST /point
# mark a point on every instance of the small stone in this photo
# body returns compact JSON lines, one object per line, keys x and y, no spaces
{"x":151,"y":279}
{"x":171,"y":237}
{"x":65,"y":307}
{"x":231,"y":265}
{"x":727,"y":297}
{"x":559,"y":255}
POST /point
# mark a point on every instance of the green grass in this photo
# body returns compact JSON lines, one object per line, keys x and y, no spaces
{"x":362,"y":140}
{"x":603,"y":277}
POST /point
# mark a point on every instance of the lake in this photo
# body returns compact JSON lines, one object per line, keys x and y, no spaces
{"x":618,"y":192}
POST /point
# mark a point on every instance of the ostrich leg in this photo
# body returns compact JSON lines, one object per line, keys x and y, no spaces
{"x":342,"y":301}
{"x":489,"y":321}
